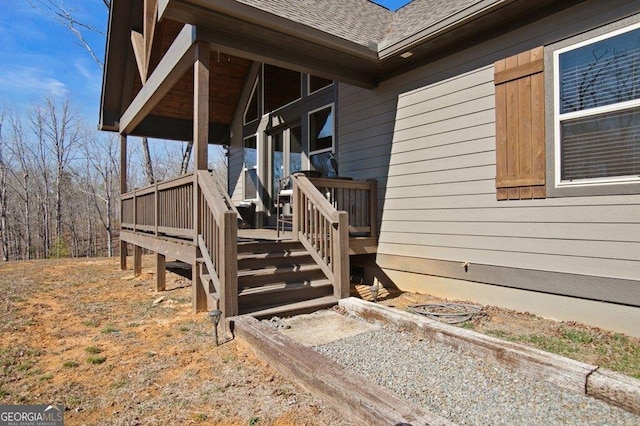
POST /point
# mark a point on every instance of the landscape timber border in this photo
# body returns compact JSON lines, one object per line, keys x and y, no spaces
{"x":359,"y":399}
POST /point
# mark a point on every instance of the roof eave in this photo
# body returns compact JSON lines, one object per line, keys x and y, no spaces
{"x":276,"y":23}
{"x":458,"y":19}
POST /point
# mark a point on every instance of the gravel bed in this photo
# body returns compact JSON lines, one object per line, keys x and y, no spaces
{"x":463,"y":388}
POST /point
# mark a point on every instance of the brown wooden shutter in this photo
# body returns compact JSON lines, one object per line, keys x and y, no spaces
{"x":520,"y":135}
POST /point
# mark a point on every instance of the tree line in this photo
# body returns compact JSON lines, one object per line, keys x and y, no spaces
{"x":59,"y":181}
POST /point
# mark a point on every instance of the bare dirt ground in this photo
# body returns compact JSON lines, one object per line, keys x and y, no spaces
{"x":82,"y":333}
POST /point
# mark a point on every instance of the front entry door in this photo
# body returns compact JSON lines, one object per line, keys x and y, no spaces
{"x":286,"y":155}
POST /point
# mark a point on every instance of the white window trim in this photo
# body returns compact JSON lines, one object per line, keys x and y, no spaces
{"x":333,"y":140}
{"x":558,"y":117}
{"x":246,"y":108}
{"x":246,"y":169}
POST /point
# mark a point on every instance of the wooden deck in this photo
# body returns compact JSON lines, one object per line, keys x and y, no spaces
{"x":192,"y":219}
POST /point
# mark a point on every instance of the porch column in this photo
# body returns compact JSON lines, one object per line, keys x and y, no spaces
{"x":123,"y":190}
{"x":200,"y":148}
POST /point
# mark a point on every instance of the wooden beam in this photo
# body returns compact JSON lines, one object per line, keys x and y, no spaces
{"x":321,"y":65}
{"x":137,"y":42}
{"x":178,"y":59}
{"x":183,"y":251}
{"x":149,"y":28}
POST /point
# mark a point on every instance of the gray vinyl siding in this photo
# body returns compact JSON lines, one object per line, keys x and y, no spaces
{"x":428,"y":137}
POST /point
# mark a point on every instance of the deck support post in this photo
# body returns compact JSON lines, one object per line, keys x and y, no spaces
{"x":123,"y":255}
{"x":161,"y":272}
{"x":137,"y":261}
{"x":340,"y":257}
{"x":198,"y":293}
{"x":123,"y":190}
{"x":201,"y":160}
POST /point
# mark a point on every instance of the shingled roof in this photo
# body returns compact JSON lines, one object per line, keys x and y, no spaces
{"x":360,"y":21}
{"x":365,"y":22}
{"x":419,"y":15}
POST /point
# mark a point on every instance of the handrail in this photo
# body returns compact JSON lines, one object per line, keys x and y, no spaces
{"x":323,"y":231}
{"x":217,"y":240}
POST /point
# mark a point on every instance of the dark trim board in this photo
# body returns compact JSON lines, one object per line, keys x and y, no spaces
{"x":602,"y":289}
{"x":182,"y":251}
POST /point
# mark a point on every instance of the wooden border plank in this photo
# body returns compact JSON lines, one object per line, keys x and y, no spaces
{"x":563,"y":372}
{"x":356,"y":398}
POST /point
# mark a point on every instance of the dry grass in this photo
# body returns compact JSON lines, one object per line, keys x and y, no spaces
{"x":84,"y":334}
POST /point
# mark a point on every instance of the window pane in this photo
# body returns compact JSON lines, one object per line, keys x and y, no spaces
{"x":325,"y":164}
{"x":601,"y":73}
{"x":251,"y":184}
{"x":317,"y":83}
{"x":604,"y":145}
{"x":321,"y":130}
{"x":281,"y":86}
{"x":250,"y":153}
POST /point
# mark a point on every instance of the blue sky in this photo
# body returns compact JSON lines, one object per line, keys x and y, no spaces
{"x":40,"y":57}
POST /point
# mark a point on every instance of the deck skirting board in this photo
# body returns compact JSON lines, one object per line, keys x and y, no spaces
{"x":601,"y":289}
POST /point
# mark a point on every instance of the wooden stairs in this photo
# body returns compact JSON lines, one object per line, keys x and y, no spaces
{"x":280,"y":278}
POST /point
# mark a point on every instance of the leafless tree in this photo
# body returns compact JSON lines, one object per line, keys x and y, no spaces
{"x":4,"y":250}
{"x":66,"y":16}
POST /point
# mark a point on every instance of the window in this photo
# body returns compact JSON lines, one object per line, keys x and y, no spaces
{"x":281,"y":87}
{"x":250,"y":168}
{"x":317,"y":83}
{"x":597,"y":110}
{"x":321,"y":141}
{"x":253,"y":108}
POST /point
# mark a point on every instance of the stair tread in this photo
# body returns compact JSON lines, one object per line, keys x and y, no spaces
{"x":275,"y":270}
{"x":292,"y":254}
{"x":282,"y":286}
{"x":311,"y":304}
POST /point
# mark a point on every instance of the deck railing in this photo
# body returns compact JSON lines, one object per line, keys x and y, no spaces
{"x":217,"y":242}
{"x":164,"y":208}
{"x":358,"y":198}
{"x":324,"y":231}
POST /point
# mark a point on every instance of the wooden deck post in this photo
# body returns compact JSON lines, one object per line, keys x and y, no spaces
{"x":161,"y":272}
{"x":229,"y":252}
{"x":123,"y":255}
{"x":340,"y":256}
{"x":373,"y":207}
{"x":123,"y":190}
{"x":201,"y":147}
{"x":198,"y":293}
{"x":137,"y":261}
